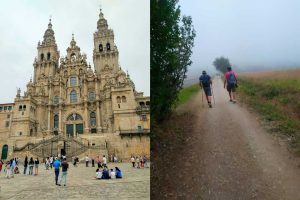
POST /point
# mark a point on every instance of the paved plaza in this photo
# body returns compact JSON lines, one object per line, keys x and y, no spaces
{"x":81,"y":184}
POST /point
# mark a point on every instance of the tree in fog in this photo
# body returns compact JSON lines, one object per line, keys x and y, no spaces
{"x":172,"y":39}
{"x":221,"y":64}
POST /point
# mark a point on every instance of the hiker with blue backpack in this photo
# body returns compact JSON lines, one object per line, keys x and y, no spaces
{"x":231,"y":82}
{"x":205,"y":83}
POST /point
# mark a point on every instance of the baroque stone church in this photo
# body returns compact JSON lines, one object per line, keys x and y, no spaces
{"x":69,"y":108}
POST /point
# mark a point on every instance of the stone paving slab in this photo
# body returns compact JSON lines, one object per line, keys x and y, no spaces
{"x":81,"y":184}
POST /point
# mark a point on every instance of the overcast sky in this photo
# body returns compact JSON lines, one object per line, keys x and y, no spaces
{"x":23,"y":23}
{"x":253,"y":34}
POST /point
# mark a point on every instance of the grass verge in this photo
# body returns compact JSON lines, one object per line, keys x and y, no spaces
{"x":187,"y":93}
{"x":277,"y":100}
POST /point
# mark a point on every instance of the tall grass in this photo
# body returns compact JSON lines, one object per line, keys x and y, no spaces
{"x":278,"y":101}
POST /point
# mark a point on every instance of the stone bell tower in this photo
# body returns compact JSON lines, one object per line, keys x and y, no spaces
{"x":106,"y":54}
{"x":46,"y":62}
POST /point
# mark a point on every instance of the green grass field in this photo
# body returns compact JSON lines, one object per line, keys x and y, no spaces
{"x":187,"y":93}
{"x":277,"y":99}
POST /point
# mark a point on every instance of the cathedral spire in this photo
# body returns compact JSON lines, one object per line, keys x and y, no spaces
{"x":102,"y":22}
{"x":73,"y":42}
{"x":49,"y":38}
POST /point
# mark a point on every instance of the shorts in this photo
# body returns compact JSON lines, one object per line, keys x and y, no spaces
{"x":231,"y":87}
{"x":207,"y":91}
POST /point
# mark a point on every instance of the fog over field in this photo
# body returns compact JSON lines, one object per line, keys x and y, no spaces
{"x":254,"y":35}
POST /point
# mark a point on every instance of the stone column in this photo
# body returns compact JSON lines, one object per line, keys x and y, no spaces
{"x":49,"y":108}
{"x":49,"y":119}
{"x":98,"y":120}
{"x":86,"y":116}
{"x":60,"y":120}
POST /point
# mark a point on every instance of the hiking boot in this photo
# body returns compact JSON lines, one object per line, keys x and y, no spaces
{"x":210,"y":105}
{"x":230,"y":100}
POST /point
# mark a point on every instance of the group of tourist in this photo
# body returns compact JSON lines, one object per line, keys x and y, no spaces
{"x":100,"y":162}
{"x":30,"y":165}
{"x":11,"y":167}
{"x":108,"y":174}
{"x":139,"y":162}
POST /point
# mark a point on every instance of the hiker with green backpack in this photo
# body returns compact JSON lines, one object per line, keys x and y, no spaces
{"x":231,"y":82}
{"x":205,"y":83}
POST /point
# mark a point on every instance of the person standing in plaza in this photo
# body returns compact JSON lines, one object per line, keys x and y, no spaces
{"x":25,"y":165}
{"x":104,"y":161}
{"x":31,"y":163}
{"x":87,"y":159}
{"x":132,"y":161}
{"x":13,"y":165}
{"x":36,"y":166}
{"x":56,"y":165}
{"x":64,"y":171}
{"x":137,"y":160}
{"x":7,"y":168}
{"x":93,"y":162}
{"x":51,"y":161}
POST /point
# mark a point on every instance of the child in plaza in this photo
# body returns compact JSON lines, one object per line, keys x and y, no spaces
{"x":112,"y":174}
{"x":98,"y":173}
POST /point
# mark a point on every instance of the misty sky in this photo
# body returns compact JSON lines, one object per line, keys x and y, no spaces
{"x":23,"y":23}
{"x":253,"y":34}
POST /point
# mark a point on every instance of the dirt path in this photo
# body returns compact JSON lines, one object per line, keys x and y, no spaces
{"x":229,"y":156}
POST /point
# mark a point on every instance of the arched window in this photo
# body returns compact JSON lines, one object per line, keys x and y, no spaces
{"x":108,"y":47}
{"x":93,"y":119}
{"x":73,"y":96}
{"x":66,"y":73}
{"x":80,"y":71}
{"x":118,"y":99}
{"x":78,"y":117}
{"x":42,"y":56}
{"x":91,"y":96}
{"x":100,"y":47}
{"x":73,"y":117}
{"x":24,"y":107}
{"x":20,"y":107}
{"x":48,"y":56}
{"x":142,"y":103}
{"x":73,"y":81}
{"x":148,"y":103}
{"x":56,"y":121}
{"x":56,"y":100}
{"x":123,"y":99}
{"x":70,"y":118}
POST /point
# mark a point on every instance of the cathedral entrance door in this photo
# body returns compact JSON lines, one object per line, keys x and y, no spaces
{"x":70,"y":130}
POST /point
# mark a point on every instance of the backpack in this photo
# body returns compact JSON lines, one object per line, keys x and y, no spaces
{"x":230,"y":79}
{"x":204,"y":79}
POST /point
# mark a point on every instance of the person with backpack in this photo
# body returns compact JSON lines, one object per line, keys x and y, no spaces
{"x":230,"y":82}
{"x":205,"y":83}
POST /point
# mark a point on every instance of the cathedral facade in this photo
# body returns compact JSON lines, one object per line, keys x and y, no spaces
{"x":67,"y":103}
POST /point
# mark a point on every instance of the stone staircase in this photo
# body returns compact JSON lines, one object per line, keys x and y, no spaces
{"x":72,"y":146}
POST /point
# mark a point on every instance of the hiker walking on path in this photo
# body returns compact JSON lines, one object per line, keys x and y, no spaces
{"x":205,"y":83}
{"x":231,"y":82}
